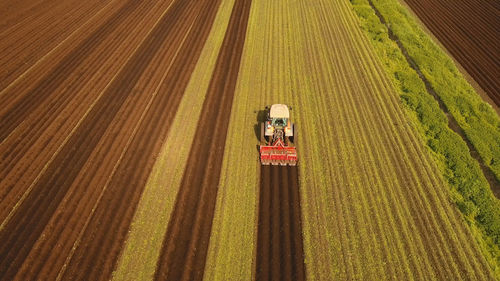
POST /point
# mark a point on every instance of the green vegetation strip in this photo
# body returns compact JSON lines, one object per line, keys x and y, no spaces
{"x":470,"y":190}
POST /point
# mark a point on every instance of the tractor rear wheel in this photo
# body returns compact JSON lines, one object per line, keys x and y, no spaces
{"x":293,"y":138}
{"x":262,"y":136}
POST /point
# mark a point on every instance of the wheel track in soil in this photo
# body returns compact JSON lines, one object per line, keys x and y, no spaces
{"x":146,"y":150}
{"x":469,"y":31}
{"x":279,"y":252}
{"x":185,"y":246}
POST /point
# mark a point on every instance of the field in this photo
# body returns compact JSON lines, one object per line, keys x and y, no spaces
{"x":128,"y":148}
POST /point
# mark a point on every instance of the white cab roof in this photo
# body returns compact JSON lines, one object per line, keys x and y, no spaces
{"x":279,"y":111}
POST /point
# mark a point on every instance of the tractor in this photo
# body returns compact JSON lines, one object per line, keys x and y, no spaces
{"x":277,"y":137}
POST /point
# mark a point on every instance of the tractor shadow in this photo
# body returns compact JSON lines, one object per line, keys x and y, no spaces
{"x":261,"y":117}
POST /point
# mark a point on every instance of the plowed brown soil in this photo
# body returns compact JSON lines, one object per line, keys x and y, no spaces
{"x":186,"y":241}
{"x":69,"y":217}
{"x":470,"y":31}
{"x":37,"y":30}
{"x":280,"y":254}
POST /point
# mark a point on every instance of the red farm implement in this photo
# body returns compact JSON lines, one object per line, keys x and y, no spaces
{"x":277,"y":135}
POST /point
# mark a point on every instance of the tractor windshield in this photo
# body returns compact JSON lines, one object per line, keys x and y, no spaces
{"x":279,"y":122}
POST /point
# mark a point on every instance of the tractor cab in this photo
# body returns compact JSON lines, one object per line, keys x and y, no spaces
{"x":278,"y":118}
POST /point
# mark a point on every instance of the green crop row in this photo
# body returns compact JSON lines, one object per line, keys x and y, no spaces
{"x":470,"y":190}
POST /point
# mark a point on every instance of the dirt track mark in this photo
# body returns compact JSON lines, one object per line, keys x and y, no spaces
{"x":186,"y":241}
{"x":53,"y":185}
{"x":280,"y":254}
{"x":469,"y":30}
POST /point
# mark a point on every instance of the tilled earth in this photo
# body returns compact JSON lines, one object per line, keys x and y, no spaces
{"x":279,"y":247}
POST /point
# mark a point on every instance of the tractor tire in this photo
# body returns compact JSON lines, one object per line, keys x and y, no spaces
{"x":293,"y":138}
{"x":262,"y":135}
